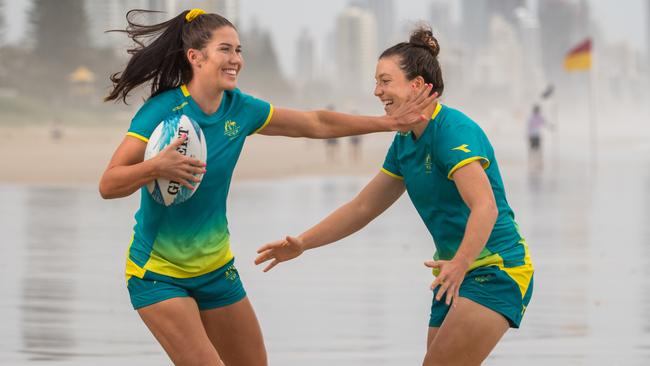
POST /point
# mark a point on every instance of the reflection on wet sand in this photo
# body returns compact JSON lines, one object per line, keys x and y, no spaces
{"x":363,"y":301}
{"x":48,"y":285}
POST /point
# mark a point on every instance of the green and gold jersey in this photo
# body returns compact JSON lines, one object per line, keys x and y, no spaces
{"x":192,"y":238}
{"x":450,"y":141}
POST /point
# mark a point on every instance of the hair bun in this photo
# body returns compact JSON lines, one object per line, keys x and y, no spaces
{"x":422,"y":36}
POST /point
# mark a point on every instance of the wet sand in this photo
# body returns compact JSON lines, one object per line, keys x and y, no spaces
{"x":363,"y":301}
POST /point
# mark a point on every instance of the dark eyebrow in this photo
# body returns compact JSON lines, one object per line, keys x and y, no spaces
{"x":229,"y":45}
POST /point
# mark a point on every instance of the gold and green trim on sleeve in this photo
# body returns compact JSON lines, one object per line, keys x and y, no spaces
{"x":137,"y":136}
{"x":485,"y":163}
{"x":268,"y":119}
{"x":391,"y":174}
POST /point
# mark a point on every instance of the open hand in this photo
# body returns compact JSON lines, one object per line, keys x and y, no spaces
{"x":409,"y":114}
{"x":177,"y":167}
{"x":449,"y":279}
{"x":279,"y":251}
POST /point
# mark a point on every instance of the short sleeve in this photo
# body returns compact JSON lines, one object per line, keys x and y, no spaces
{"x":391,"y":164}
{"x":147,"y":118}
{"x":259,"y":113}
{"x":459,"y":144}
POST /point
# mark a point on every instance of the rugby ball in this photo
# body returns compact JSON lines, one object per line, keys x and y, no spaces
{"x":162,"y":190}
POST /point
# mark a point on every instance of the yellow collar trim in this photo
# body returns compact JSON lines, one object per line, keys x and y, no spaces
{"x":186,"y":93}
{"x":436,"y":111}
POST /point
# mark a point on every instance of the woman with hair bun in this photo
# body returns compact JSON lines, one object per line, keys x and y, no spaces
{"x":180,"y":269}
{"x":484,"y":274}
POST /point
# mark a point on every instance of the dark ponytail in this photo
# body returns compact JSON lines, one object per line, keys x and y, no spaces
{"x":162,"y":61}
{"x":419,"y":57}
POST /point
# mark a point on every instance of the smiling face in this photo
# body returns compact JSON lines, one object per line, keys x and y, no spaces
{"x":220,"y":61}
{"x":392,"y":88}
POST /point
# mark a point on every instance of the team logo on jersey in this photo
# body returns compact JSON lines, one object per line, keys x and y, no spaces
{"x":463,"y":148}
{"x":428,"y":163}
{"x":403,"y":134}
{"x":483,"y":279}
{"x":231,"y":273}
{"x":179,"y":107}
{"x":231,"y":129}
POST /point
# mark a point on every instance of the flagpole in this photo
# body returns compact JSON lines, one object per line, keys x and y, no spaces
{"x":556,"y":130}
{"x":593,"y":126}
{"x":579,"y":59}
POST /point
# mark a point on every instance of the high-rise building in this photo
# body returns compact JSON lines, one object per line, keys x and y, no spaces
{"x":384,"y":12}
{"x":226,"y":8}
{"x":503,"y":61}
{"x":476,"y":16}
{"x":505,"y":8}
{"x":560,"y":29}
{"x":474,"y":22}
{"x":529,"y":34}
{"x":440,"y":17}
{"x":3,"y":22}
{"x":263,"y":76}
{"x":356,"y":49}
{"x":230,"y":10}
{"x":167,"y":9}
{"x":108,"y":15}
{"x":305,"y":57}
{"x":647,"y":31}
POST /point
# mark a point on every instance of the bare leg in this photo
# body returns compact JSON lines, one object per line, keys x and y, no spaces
{"x":235,"y":332}
{"x":177,"y":326}
{"x":431,"y":336}
{"x":467,"y":336}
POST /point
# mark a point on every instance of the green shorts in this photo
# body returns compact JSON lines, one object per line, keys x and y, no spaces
{"x":216,"y":289}
{"x":504,"y":290}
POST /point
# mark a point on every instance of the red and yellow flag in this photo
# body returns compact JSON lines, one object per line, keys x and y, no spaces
{"x":579,"y":58}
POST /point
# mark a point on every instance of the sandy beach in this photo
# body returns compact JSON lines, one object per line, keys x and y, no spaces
{"x":31,"y":156}
{"x":80,"y":155}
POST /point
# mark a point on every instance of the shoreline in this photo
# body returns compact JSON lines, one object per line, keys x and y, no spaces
{"x":32,"y":156}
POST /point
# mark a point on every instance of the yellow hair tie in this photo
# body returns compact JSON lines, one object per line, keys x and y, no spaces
{"x":192,"y":14}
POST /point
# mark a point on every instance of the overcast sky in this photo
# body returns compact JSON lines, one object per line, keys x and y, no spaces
{"x":623,"y":20}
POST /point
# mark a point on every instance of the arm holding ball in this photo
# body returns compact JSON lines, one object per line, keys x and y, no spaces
{"x":128,"y":171}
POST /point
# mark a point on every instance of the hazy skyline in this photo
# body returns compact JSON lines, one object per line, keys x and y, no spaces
{"x":621,"y":21}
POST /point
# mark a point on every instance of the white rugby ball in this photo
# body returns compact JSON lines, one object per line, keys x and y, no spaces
{"x":162,"y":190}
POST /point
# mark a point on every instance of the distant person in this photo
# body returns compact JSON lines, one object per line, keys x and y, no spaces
{"x":56,"y":129}
{"x":355,"y":146}
{"x":534,"y":129}
{"x":332,"y":143}
{"x":484,"y":274}
{"x":179,"y":266}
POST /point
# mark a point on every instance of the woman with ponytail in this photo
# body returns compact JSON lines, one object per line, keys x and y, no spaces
{"x":180,"y":272}
{"x":484,"y":274}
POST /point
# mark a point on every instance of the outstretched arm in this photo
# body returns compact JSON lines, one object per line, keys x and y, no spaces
{"x":327,"y":124}
{"x":375,"y":198}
